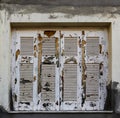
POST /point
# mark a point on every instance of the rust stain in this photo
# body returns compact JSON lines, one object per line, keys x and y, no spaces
{"x":83,"y":42}
{"x":39,"y":62}
{"x":35,"y":55}
{"x":57,"y":48}
{"x":34,"y":78}
{"x":17,"y":54}
{"x":100,"y":48}
{"x":49,"y":33}
{"x":83,"y":71}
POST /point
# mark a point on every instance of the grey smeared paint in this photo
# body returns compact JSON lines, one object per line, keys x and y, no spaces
{"x":69,"y":11}
{"x":65,"y":2}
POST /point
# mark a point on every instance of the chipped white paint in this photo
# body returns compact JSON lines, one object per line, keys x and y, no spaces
{"x":6,"y":42}
{"x":62,"y":70}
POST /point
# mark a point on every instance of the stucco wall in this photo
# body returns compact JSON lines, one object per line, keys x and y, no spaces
{"x":42,"y":13}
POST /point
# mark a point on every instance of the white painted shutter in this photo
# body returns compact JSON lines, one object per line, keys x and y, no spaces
{"x":49,"y":73}
{"x":92,"y":70}
{"x":70,"y":82}
{"x":92,"y":82}
{"x":26,"y":69}
{"x":70,"y":69}
{"x":92,"y":46}
{"x":48,"y":70}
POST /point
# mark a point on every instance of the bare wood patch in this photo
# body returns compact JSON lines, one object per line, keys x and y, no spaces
{"x":17,"y":54}
{"x":49,"y":33}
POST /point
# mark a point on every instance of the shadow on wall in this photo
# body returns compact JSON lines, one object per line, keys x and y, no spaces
{"x":116,"y":97}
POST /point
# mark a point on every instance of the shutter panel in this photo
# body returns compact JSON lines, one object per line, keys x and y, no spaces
{"x":70,"y":70}
{"x":26,"y":69}
{"x":70,"y":82}
{"x":70,"y":46}
{"x":92,"y":82}
{"x":48,"y":47}
{"x":27,"y":46}
{"x":49,"y":70}
{"x":92,"y":47}
{"x":77,"y":82}
{"x":92,"y":70}
{"x":48,"y":83}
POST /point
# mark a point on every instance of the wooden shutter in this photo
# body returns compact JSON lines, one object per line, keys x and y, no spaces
{"x":26,"y":69}
{"x":49,"y":70}
{"x":70,"y":69}
{"x":70,"y":82}
{"x":69,"y":72}
{"x":92,"y":82}
{"x":92,"y":72}
{"x":92,"y":46}
{"x":48,"y":83}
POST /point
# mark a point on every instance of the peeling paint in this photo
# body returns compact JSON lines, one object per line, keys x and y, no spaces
{"x":67,"y":13}
{"x":51,"y":71}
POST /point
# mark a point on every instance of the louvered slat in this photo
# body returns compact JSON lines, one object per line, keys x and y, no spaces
{"x":92,"y":82}
{"x":70,"y":46}
{"x":26,"y":70}
{"x":26,"y":46}
{"x":26,"y":86}
{"x":70,"y":82}
{"x":48,"y":46}
{"x":48,"y":83}
{"x":92,"y":47}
